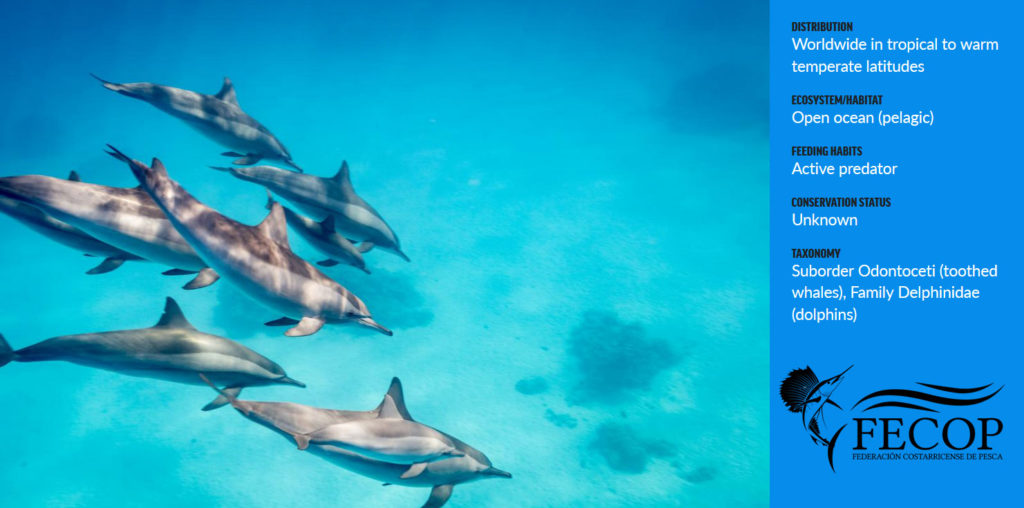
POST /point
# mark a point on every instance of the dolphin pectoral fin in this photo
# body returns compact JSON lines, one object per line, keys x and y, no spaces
{"x":247,"y":160}
{"x":232,"y":154}
{"x":206,"y":277}
{"x":225,"y":399}
{"x":108,"y":264}
{"x":327,"y":262}
{"x":301,"y":440}
{"x":414,"y":470}
{"x":178,"y":271}
{"x":6,"y":353}
{"x":386,"y":484}
{"x":439,"y":496}
{"x":365,"y":247}
{"x":308,"y":326}
{"x":284,"y":321}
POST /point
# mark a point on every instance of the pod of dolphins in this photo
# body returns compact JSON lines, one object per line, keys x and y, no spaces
{"x":161,"y":222}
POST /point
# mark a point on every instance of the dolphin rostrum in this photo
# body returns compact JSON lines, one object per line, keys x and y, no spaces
{"x":125,"y":218}
{"x":290,"y":419}
{"x":171,"y":350}
{"x":256,"y":258}
{"x":323,"y":237}
{"x":218,"y":117}
{"x":66,"y":234}
{"x":322,"y":197}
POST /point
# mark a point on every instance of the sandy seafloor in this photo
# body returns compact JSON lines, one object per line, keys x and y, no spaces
{"x":581,"y":189}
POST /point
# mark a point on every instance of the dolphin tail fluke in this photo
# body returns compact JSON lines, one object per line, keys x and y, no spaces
{"x":108,"y":264}
{"x":369,"y":322}
{"x":6,"y":353}
{"x":206,"y":277}
{"x":231,"y":394}
{"x":118,"y":154}
{"x":439,"y":495}
{"x":224,"y":398}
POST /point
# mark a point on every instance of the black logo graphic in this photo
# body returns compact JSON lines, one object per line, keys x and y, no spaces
{"x":803,"y":393}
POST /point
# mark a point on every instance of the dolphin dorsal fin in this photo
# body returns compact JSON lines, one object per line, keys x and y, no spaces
{"x":343,"y":178}
{"x":173,"y":317}
{"x":158,"y":166}
{"x":227,"y":92}
{"x":73,"y":176}
{"x":388,"y":409}
{"x":328,"y":224}
{"x":396,"y":399}
{"x":275,"y":226}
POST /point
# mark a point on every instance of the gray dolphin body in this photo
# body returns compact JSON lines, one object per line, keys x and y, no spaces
{"x":66,"y":234}
{"x":321,"y":197}
{"x":290,"y":420}
{"x":171,"y":350}
{"x":323,"y":237}
{"x":218,"y":117}
{"x":258,"y":259}
{"x":125,"y":218}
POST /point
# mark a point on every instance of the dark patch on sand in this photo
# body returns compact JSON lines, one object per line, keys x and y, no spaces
{"x":700,"y":474}
{"x":614,"y":358}
{"x":532,"y":385}
{"x":625,"y":451}
{"x":563,"y":420}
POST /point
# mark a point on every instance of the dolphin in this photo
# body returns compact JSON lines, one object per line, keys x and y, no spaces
{"x":218,"y":117}
{"x":322,"y":197}
{"x":290,"y":419}
{"x":125,"y":218}
{"x":172,"y":350}
{"x":388,"y":438}
{"x":66,"y":234}
{"x":323,"y":237}
{"x":256,"y":258}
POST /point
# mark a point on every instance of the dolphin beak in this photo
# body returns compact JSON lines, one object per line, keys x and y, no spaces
{"x":493,"y":471}
{"x":294,"y":165}
{"x":403,"y":256}
{"x":369,"y":322}
{"x":289,"y":381}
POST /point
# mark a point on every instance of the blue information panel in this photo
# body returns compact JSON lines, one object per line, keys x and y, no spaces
{"x":896,"y":369}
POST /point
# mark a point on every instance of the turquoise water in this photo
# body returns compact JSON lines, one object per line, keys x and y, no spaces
{"x":581,"y":189}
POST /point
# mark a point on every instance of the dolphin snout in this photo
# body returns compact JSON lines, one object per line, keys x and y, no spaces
{"x":493,"y":471}
{"x":289,"y":381}
{"x":369,"y":322}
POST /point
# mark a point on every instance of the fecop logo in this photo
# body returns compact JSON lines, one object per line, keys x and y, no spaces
{"x":903,"y":424}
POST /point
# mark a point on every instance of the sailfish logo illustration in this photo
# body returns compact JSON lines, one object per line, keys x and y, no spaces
{"x":804,"y":394}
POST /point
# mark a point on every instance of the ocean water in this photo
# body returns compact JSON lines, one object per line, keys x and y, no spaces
{"x":581,"y":188}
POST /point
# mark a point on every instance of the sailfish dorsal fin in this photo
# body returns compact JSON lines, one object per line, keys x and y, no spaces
{"x":227,"y":92}
{"x":394,"y":403}
{"x":173,"y":317}
{"x":275,"y":226}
